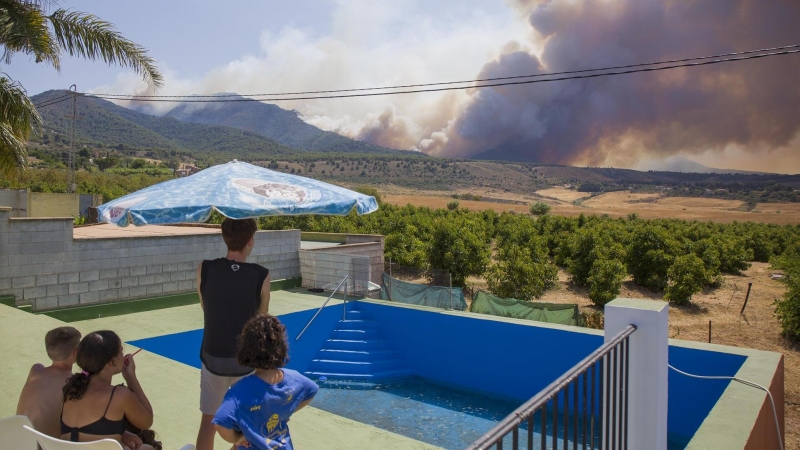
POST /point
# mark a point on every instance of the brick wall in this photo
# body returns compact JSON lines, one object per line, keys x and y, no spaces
{"x":41,"y":263}
{"x":324,"y":270}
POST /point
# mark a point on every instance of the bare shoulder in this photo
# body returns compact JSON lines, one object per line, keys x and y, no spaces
{"x":36,"y":369}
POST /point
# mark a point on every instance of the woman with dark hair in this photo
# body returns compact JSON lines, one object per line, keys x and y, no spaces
{"x":256,"y":409}
{"x":93,"y":408}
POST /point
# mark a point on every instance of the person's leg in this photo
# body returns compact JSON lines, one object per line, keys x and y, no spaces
{"x":207,"y":433}
{"x":212,"y":391}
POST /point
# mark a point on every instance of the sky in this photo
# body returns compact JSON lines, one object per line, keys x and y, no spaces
{"x":745,"y":117}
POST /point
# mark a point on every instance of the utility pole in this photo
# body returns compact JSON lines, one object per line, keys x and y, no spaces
{"x":71,"y":181}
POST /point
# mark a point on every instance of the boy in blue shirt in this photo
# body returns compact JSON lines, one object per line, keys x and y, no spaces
{"x":256,"y":409}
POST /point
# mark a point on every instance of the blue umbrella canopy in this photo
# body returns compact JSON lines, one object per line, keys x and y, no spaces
{"x":237,"y":190}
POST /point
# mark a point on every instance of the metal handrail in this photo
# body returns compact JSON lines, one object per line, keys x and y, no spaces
{"x":521,"y":414}
{"x":323,"y":305}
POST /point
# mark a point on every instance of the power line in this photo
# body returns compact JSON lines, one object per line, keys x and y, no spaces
{"x":415,"y":91}
{"x":480,"y":80}
{"x":53,"y":101}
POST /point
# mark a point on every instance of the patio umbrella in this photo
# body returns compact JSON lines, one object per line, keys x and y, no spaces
{"x":237,"y":190}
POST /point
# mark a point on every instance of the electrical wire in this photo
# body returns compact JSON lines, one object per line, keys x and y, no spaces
{"x":511,"y":83}
{"x":746,"y":383}
{"x":53,"y":101}
{"x":480,"y":80}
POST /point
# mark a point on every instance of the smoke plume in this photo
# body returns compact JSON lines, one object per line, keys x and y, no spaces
{"x":745,"y":107}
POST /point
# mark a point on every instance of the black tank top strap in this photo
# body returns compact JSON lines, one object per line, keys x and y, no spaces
{"x":109,"y":400}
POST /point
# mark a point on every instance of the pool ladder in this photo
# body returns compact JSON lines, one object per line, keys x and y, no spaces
{"x":357,"y":350}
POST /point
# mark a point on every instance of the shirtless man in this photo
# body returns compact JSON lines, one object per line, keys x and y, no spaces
{"x":41,"y":397}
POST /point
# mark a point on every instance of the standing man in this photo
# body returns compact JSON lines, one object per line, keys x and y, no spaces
{"x":232,"y":291}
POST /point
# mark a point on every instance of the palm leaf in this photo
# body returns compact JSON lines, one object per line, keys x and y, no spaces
{"x":24,"y":28}
{"x":18,"y":118}
{"x":88,"y":36}
{"x":12,"y":153}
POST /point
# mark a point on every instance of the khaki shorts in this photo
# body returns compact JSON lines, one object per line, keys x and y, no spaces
{"x":212,"y":390}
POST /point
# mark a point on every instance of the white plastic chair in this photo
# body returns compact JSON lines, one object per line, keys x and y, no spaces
{"x":49,"y":443}
{"x":13,"y":436}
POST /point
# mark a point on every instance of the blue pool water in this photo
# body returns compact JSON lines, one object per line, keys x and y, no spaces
{"x":414,"y":408}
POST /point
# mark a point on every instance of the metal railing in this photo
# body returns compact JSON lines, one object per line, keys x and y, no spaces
{"x":593,"y":416}
{"x":344,"y":305}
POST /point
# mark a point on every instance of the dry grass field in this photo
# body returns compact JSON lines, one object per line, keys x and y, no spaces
{"x":615,"y":204}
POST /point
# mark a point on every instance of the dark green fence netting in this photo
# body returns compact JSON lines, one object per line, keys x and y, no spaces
{"x":420,"y":294}
{"x":486,"y":303}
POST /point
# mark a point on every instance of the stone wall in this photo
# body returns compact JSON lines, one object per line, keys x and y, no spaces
{"x":42,"y":265}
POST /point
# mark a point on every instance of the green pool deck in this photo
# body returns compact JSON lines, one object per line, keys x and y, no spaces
{"x":174,"y":388}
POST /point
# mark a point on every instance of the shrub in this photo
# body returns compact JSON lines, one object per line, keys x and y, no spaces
{"x":452,"y":206}
{"x":459,"y":244}
{"x":650,"y":255}
{"x":540,"y":208}
{"x":587,"y":246}
{"x":522,"y":273}
{"x":605,"y":280}
{"x":787,"y":308}
{"x":686,"y":278}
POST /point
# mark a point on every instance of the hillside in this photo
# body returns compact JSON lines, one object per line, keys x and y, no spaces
{"x":272,"y":122}
{"x":102,"y":122}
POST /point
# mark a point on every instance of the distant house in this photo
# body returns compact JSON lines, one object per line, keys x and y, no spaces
{"x":186,"y":169}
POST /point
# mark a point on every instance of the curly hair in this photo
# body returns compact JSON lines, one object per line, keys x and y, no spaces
{"x":237,"y":233}
{"x":262,"y":344}
{"x":94,"y":352}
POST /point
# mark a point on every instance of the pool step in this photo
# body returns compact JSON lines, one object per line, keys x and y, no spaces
{"x":355,"y":345}
{"x":355,"y":367}
{"x":356,"y":355}
{"x":384,"y":375}
{"x":357,"y":350}
{"x":363,"y":335}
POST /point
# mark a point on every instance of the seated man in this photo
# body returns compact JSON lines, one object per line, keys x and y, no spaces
{"x":256,"y":409}
{"x":41,"y":397}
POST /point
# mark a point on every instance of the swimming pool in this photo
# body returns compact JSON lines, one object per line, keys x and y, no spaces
{"x":455,"y":357}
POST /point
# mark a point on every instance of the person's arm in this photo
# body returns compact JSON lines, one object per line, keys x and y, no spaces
{"x":230,"y":435}
{"x":264,"y":306}
{"x":199,"y":276}
{"x":21,"y":403}
{"x":137,"y":407}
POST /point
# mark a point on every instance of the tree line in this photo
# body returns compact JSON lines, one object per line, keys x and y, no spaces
{"x":519,"y":255}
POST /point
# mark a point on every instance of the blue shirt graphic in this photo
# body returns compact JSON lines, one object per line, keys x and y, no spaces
{"x":260,"y":410}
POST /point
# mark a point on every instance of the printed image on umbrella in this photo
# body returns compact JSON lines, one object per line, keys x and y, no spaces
{"x":237,"y":190}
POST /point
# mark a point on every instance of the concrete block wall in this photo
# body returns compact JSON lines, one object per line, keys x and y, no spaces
{"x":325,"y":270}
{"x":42,"y":265}
{"x":370,"y":246}
{"x":24,"y":203}
{"x":16,"y":199}
{"x":47,"y":204}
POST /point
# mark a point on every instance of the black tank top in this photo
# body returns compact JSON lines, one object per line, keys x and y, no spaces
{"x":231,"y":296}
{"x":100,"y":427}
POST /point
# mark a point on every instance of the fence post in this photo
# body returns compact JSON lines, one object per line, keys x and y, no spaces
{"x":647,"y":370}
{"x":450,"y":276}
{"x":390,"y":279}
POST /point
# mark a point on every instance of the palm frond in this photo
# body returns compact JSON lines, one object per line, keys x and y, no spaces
{"x":88,"y":36}
{"x":24,"y":28}
{"x":17,"y":111}
{"x":12,"y":153}
{"x":18,"y":118}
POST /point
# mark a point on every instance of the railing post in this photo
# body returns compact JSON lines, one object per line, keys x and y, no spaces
{"x":647,"y":370}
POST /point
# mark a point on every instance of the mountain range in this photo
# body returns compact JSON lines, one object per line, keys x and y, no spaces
{"x":251,"y":130}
